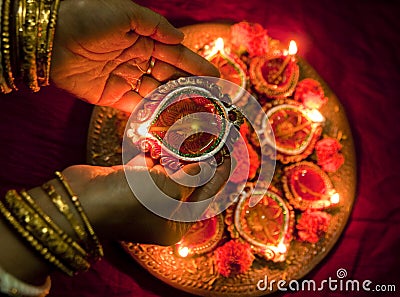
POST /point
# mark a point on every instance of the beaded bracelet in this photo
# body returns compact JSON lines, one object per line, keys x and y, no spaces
{"x":6,"y":45}
{"x":12,"y":286}
{"x":98,"y":249}
{"x":3,"y":84}
{"x":47,"y":238}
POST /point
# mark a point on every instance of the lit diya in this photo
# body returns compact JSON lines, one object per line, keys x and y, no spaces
{"x":275,"y":77}
{"x":306,"y":186}
{"x":230,"y":67}
{"x":292,"y":130}
{"x":187,"y":120}
{"x":201,"y":238}
{"x":268,"y":226}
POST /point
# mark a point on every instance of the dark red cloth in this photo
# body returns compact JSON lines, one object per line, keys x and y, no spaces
{"x":352,"y":44}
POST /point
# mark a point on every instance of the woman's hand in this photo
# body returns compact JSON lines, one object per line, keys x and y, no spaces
{"x":117,"y":214}
{"x":103,"y":50}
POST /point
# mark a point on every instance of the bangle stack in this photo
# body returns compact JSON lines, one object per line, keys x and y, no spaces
{"x":27,"y":33}
{"x":41,"y":233}
{"x":93,"y":244}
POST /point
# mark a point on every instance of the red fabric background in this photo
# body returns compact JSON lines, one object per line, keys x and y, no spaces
{"x":352,"y":44}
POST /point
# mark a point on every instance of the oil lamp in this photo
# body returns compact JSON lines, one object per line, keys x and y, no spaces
{"x":185,"y":120}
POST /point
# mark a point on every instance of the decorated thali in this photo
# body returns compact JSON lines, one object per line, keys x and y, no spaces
{"x":304,"y":211}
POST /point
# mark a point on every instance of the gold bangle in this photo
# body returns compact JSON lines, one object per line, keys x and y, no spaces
{"x":46,"y":236}
{"x":6,"y":45}
{"x":45,"y":56}
{"x":47,"y":255}
{"x":19,"y":30}
{"x":29,"y":38}
{"x":65,"y":237}
{"x":45,"y":10}
{"x":4,"y":88}
{"x":64,"y":209}
{"x":98,"y":249}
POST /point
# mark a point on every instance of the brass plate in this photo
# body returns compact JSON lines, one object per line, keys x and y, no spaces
{"x":197,"y":275}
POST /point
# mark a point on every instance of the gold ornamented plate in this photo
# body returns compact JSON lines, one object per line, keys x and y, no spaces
{"x":198,"y":274}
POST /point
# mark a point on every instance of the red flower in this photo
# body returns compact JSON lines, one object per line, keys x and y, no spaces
{"x":233,"y":258}
{"x":249,"y":37}
{"x":328,"y":155}
{"x":310,"y":93}
{"x":312,"y":224}
{"x":242,"y":164}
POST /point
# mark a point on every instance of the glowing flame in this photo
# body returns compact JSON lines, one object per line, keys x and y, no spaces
{"x":335,"y":198}
{"x":282,"y":248}
{"x":219,"y":47}
{"x":292,"y":47}
{"x":183,"y":251}
{"x":219,"y":44}
{"x":315,"y":116}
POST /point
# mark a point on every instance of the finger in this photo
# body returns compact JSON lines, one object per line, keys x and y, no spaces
{"x":169,"y":186}
{"x":185,"y":59}
{"x":163,"y":71}
{"x":141,"y":160}
{"x":147,"y":85}
{"x":126,"y":92}
{"x":122,"y":79}
{"x":148,"y":23}
{"x":115,"y":87}
{"x":140,"y":51}
{"x":216,"y":183}
{"x":193,"y":174}
{"x":128,"y":101}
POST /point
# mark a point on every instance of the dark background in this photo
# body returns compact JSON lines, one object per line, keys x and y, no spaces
{"x":354,"y":46}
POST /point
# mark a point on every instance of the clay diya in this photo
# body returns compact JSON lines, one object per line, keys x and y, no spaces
{"x":230,"y":66}
{"x":275,"y":76}
{"x":267,"y":227}
{"x":186,"y":120}
{"x":307,"y":186}
{"x":292,"y":130}
{"x":201,"y":238}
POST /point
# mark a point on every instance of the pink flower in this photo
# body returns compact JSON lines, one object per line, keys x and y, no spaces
{"x":250,"y":37}
{"x":309,"y":92}
{"x":234,"y":257}
{"x":312,"y":224}
{"x":328,"y":155}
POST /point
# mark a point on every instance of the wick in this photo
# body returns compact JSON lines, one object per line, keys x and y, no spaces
{"x":292,"y":130}
{"x":282,"y":68}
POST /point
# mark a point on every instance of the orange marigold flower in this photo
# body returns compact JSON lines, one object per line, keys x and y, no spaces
{"x":309,"y":92}
{"x":328,"y":155}
{"x":312,"y":224}
{"x":249,"y":37}
{"x":234,"y":257}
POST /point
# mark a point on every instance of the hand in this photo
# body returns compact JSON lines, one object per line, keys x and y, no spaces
{"x":103,"y":50}
{"x":118,"y":215}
